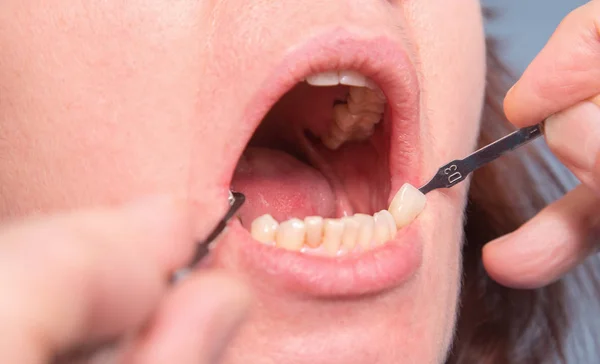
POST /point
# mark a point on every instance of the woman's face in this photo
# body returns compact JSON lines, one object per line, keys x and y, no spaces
{"x":104,"y":101}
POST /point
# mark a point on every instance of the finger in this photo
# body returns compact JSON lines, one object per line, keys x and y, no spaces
{"x":194,"y":323}
{"x":80,"y":276}
{"x":565,"y":72}
{"x":556,"y":240}
{"x":573,"y":135}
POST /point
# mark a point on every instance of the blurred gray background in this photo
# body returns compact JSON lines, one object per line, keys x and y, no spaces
{"x":526,"y":25}
{"x":523,"y":27}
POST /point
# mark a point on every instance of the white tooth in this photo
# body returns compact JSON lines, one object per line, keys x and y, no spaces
{"x":362,"y":132}
{"x":366,"y":105}
{"x":363,"y":95}
{"x":343,"y":119}
{"x":365,"y":230}
{"x":373,"y":86}
{"x":264,"y":229}
{"x":352,"y":78}
{"x":333,"y":230}
{"x":408,"y":203}
{"x":290,"y":234}
{"x":386,"y":216}
{"x":382,"y":231}
{"x":350,"y":235}
{"x":314,"y":230}
{"x":324,"y":79}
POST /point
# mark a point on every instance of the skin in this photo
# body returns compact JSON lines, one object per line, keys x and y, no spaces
{"x":158,"y":86}
{"x":565,"y":233}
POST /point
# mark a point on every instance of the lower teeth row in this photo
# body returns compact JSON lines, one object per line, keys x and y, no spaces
{"x":342,"y":235}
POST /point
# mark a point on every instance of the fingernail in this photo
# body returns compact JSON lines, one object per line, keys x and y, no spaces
{"x":574,"y":135}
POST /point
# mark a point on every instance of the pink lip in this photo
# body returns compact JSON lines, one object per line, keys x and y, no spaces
{"x":387,"y":63}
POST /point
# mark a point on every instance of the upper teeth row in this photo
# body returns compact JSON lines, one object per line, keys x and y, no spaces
{"x":346,"y":77}
{"x":354,"y":120}
{"x":338,"y":236}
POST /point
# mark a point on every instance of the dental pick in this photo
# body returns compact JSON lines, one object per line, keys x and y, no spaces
{"x":236,"y":200}
{"x":456,"y":171}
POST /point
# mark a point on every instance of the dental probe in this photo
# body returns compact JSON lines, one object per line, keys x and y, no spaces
{"x":236,"y":200}
{"x":456,"y":171}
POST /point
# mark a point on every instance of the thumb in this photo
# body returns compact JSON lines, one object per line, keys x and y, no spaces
{"x":573,"y":135}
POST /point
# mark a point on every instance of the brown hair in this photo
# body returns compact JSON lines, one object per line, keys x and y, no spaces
{"x":498,"y":324}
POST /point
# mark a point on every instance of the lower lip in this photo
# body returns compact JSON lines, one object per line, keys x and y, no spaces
{"x":382,"y":268}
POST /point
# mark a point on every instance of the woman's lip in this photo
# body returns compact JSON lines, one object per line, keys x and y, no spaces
{"x":387,"y":63}
{"x":369,"y":272}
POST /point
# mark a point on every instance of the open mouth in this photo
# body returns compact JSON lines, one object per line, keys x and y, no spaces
{"x":316,"y":171}
{"x":329,"y":169}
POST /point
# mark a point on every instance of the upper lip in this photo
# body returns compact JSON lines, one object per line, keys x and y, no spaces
{"x":388,"y":64}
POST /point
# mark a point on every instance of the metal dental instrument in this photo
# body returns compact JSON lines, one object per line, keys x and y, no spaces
{"x":236,"y":200}
{"x":456,"y":171}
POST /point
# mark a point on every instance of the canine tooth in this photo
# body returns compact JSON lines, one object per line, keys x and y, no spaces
{"x":365,"y":230}
{"x":333,"y":229}
{"x":382,"y":231}
{"x":264,"y":229}
{"x":352,"y":78}
{"x":290,"y":234}
{"x":408,"y":203}
{"x":331,"y":78}
{"x":314,"y":230}
{"x":350,"y":235}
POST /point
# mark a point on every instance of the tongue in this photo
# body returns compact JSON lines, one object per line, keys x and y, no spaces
{"x":276,"y":183}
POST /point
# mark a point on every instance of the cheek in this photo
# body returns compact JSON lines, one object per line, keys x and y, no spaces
{"x":451,"y":45}
{"x":79,"y":86}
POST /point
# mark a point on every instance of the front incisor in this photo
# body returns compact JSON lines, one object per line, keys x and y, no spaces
{"x":314,"y":230}
{"x":408,"y":203}
{"x":333,"y":230}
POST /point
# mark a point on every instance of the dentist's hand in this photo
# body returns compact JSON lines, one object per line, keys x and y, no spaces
{"x":69,"y":283}
{"x":563,"y":81}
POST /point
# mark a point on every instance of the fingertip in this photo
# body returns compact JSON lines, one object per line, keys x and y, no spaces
{"x":518,"y":261}
{"x":165,"y":222}
{"x":195,"y":322}
{"x":517,"y":106}
{"x":494,"y":258}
